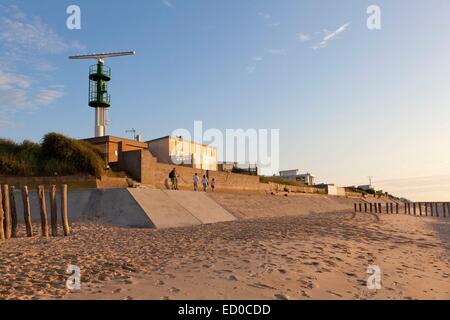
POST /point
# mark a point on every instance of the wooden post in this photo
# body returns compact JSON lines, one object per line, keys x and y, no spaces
{"x":379,"y":208}
{"x":365,"y":206}
{"x":64,"y":215}
{"x":355,"y":207}
{"x":371,"y":207}
{"x":392,"y":207}
{"x":387,"y":207}
{"x":6,"y":211}
{"x":14,"y":219}
{"x":443,"y":209}
{"x":53,"y":211}
{"x":414,"y":208}
{"x":437,"y":209}
{"x":420,"y":208}
{"x":26,"y":211}
{"x":360,"y":207}
{"x":397,"y":208}
{"x":2,"y":230}
{"x":43,"y":211}
{"x":432,"y":209}
{"x":376,"y":207}
{"x":426,"y":209}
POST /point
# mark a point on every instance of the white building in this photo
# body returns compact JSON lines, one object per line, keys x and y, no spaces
{"x":175,"y":150}
{"x":292,"y":175}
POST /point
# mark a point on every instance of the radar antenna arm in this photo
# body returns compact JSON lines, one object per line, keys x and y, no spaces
{"x":101,"y":56}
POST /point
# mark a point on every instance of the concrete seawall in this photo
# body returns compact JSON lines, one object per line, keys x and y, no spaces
{"x":115,"y":206}
{"x":155,"y":208}
{"x":139,"y":208}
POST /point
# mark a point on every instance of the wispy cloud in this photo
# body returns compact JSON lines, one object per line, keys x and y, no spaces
{"x":303,"y":37}
{"x":265,"y":16}
{"x":26,"y":41}
{"x":16,"y":98}
{"x":5,"y":123}
{"x":168,"y":4}
{"x":268,"y":18}
{"x":48,"y":96}
{"x":250,"y":69}
{"x":276,"y":51}
{"x":10,"y":81}
{"x":330,"y":35}
{"x":19,"y":33}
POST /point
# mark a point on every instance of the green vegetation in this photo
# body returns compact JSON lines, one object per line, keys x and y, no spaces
{"x":57,"y":155}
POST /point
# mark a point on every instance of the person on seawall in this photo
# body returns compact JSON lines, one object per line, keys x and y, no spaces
{"x":174,"y":179}
{"x":205,"y":183}
{"x":195,"y":180}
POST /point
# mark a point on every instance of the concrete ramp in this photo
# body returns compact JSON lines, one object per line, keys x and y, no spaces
{"x":200,"y":206}
{"x":162,"y":210}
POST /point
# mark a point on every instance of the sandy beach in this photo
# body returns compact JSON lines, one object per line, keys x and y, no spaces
{"x":305,"y":256}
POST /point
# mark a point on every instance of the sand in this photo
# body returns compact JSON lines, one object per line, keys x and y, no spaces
{"x":305,"y":256}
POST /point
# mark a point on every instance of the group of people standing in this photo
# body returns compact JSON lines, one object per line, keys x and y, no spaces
{"x":173,"y":176}
{"x":205,"y":182}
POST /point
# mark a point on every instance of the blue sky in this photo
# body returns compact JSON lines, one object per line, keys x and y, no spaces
{"x":367,"y":103}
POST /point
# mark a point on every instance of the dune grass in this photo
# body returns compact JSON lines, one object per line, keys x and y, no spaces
{"x":56,"y":155}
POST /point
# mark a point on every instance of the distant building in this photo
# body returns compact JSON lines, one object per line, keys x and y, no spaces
{"x":292,"y":175}
{"x":332,"y":189}
{"x":366,"y":187}
{"x":227,"y":166}
{"x":176,"y":150}
{"x":307,"y":178}
{"x":289,"y":174}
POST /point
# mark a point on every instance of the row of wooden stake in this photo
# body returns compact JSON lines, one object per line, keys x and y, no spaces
{"x":415,"y":208}
{"x":8,"y":212}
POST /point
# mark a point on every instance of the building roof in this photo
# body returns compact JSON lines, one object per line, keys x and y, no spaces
{"x":153,"y":140}
{"x":170,"y":136}
{"x":106,"y":139}
{"x":307,"y":174}
{"x":294,"y":171}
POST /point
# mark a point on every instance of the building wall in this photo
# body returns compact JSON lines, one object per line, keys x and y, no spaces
{"x":145,"y":168}
{"x":336,"y":191}
{"x":113,"y":147}
{"x":140,"y":165}
{"x":160,"y":149}
{"x":113,"y":152}
{"x":224,"y":180}
{"x":184,"y":152}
